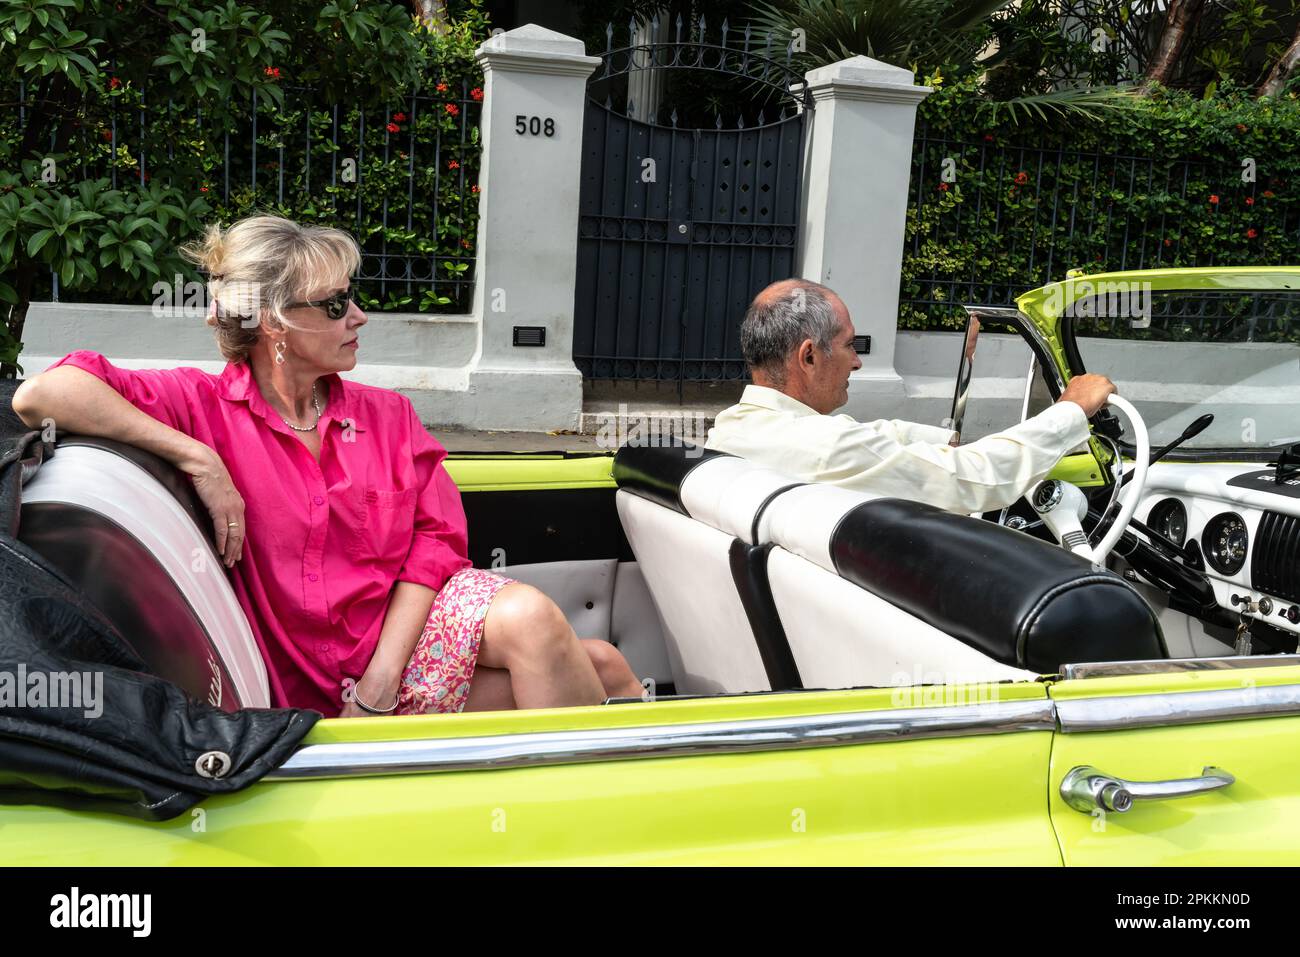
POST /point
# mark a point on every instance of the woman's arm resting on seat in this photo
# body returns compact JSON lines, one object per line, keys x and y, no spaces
{"x":78,"y":401}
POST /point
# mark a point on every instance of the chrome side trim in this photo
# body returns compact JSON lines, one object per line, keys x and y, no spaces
{"x":1108,"y":669}
{"x":658,"y":741}
{"x":1124,"y":713}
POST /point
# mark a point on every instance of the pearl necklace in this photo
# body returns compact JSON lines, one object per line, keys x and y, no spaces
{"x":315,"y":401}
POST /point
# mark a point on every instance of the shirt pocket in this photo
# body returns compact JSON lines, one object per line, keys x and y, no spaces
{"x":382,"y":526}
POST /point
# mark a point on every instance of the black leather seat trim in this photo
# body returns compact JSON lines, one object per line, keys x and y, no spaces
{"x":1017,"y":599}
{"x":163,"y":472}
{"x":749,"y":572}
{"x":758,"y":515}
{"x":657,"y":472}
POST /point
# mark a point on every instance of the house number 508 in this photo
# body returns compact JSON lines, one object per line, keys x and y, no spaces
{"x":534,"y":125}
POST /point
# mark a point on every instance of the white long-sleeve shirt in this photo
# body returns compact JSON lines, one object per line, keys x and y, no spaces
{"x":894,"y":458}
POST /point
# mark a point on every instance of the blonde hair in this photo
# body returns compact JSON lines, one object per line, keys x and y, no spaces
{"x":260,"y":265}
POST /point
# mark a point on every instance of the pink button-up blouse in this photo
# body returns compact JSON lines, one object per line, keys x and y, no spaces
{"x":325,"y":541}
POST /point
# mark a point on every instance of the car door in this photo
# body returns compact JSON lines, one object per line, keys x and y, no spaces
{"x":1164,"y":724}
{"x":938,"y":775}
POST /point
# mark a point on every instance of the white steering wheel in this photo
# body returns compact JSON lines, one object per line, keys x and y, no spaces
{"x":1063,"y":506}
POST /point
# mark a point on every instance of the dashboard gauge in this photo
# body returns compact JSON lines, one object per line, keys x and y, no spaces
{"x":1226,"y":542}
{"x":1169,"y":518}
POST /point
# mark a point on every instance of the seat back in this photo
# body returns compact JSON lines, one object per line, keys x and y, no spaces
{"x":689,"y":515}
{"x":884,"y":591}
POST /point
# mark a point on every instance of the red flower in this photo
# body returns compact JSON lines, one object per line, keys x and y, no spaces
{"x":107,"y":134}
{"x":1252,"y":233}
{"x":441,"y":87}
{"x":943,"y":187}
{"x":988,"y":137}
{"x":474,"y":188}
{"x":1022,"y":178}
{"x":273,"y":72}
{"x":1214,"y":199}
{"x":453,"y":165}
{"x":1098,"y":257}
{"x":1250,"y":200}
{"x":1169,"y":242}
{"x":465,"y":243}
{"x":1241,"y":127}
{"x":399,"y":117}
{"x":453,"y":109}
{"x":476,"y":93}
{"x":1268,"y":194}
{"x":203,"y":189}
{"x":114,"y":83}
{"x":393,"y":128}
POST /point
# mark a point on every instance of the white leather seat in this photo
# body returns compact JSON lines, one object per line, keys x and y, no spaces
{"x":683,"y":523}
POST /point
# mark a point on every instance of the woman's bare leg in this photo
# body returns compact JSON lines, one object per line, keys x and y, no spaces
{"x":616,"y":675}
{"x":526,"y":634}
{"x":489,"y":690}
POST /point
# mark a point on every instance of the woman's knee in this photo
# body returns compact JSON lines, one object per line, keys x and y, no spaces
{"x":522,"y":619}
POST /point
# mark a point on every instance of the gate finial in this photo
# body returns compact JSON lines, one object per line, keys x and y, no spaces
{"x":679,"y":28}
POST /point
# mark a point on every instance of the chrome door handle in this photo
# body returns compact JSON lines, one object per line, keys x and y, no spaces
{"x":1086,"y":789}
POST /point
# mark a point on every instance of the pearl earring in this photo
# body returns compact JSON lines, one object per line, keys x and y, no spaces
{"x":279,"y":352}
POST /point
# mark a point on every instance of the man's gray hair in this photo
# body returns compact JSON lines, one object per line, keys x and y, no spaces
{"x":775,"y":324}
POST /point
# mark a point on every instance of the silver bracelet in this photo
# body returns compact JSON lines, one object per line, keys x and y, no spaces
{"x":365,"y":707}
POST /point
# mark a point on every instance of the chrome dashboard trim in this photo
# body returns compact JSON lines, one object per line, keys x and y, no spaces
{"x":535,"y":749}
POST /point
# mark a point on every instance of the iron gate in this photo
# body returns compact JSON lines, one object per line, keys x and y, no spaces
{"x":680,"y":225}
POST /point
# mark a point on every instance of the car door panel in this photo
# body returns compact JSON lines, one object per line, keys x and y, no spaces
{"x":867,"y":777}
{"x":1172,"y":726}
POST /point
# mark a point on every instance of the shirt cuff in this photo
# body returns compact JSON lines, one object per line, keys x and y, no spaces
{"x":931,"y":434}
{"x":1072,"y":422}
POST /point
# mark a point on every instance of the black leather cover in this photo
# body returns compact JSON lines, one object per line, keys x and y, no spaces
{"x":657,"y":472}
{"x":1018,"y":600}
{"x":138,"y":756}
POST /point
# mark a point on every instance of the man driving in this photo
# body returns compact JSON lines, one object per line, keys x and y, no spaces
{"x":797,"y":339}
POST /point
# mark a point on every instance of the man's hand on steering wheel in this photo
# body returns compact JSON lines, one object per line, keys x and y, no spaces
{"x":1089,"y":392}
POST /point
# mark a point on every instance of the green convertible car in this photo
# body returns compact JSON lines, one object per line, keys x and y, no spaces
{"x":1102,"y":674}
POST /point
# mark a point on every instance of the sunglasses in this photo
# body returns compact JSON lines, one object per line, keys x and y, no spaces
{"x":336,"y":306}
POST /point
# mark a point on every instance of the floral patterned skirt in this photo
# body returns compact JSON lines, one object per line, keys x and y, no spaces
{"x":437,"y":678}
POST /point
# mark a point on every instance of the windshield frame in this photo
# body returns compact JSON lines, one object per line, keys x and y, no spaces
{"x":1048,"y":308}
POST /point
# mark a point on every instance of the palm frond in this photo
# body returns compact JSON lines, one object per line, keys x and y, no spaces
{"x":1087,"y":103}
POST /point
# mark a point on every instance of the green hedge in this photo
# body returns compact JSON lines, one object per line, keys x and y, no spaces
{"x":1159,"y":183}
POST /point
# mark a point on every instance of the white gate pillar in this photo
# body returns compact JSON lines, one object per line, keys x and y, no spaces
{"x":535,"y":91}
{"x":857,"y":163}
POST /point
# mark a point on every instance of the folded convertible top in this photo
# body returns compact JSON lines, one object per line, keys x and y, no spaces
{"x":83,"y":724}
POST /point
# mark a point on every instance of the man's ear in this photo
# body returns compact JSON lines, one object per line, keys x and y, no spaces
{"x":806,"y":351}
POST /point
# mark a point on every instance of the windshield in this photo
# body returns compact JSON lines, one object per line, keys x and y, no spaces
{"x":1177,"y":354}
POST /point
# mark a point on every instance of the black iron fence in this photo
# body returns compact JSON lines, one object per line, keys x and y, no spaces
{"x":989,"y":220}
{"x":401,"y":179}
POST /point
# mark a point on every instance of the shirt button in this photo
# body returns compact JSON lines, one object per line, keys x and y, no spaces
{"x":322,"y":648}
{"x":312,"y":577}
{"x":318,"y":500}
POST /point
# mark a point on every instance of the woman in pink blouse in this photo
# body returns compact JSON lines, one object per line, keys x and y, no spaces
{"x":341,"y":532}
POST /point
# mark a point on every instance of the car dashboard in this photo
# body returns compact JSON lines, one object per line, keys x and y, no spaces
{"x":1238,"y":527}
